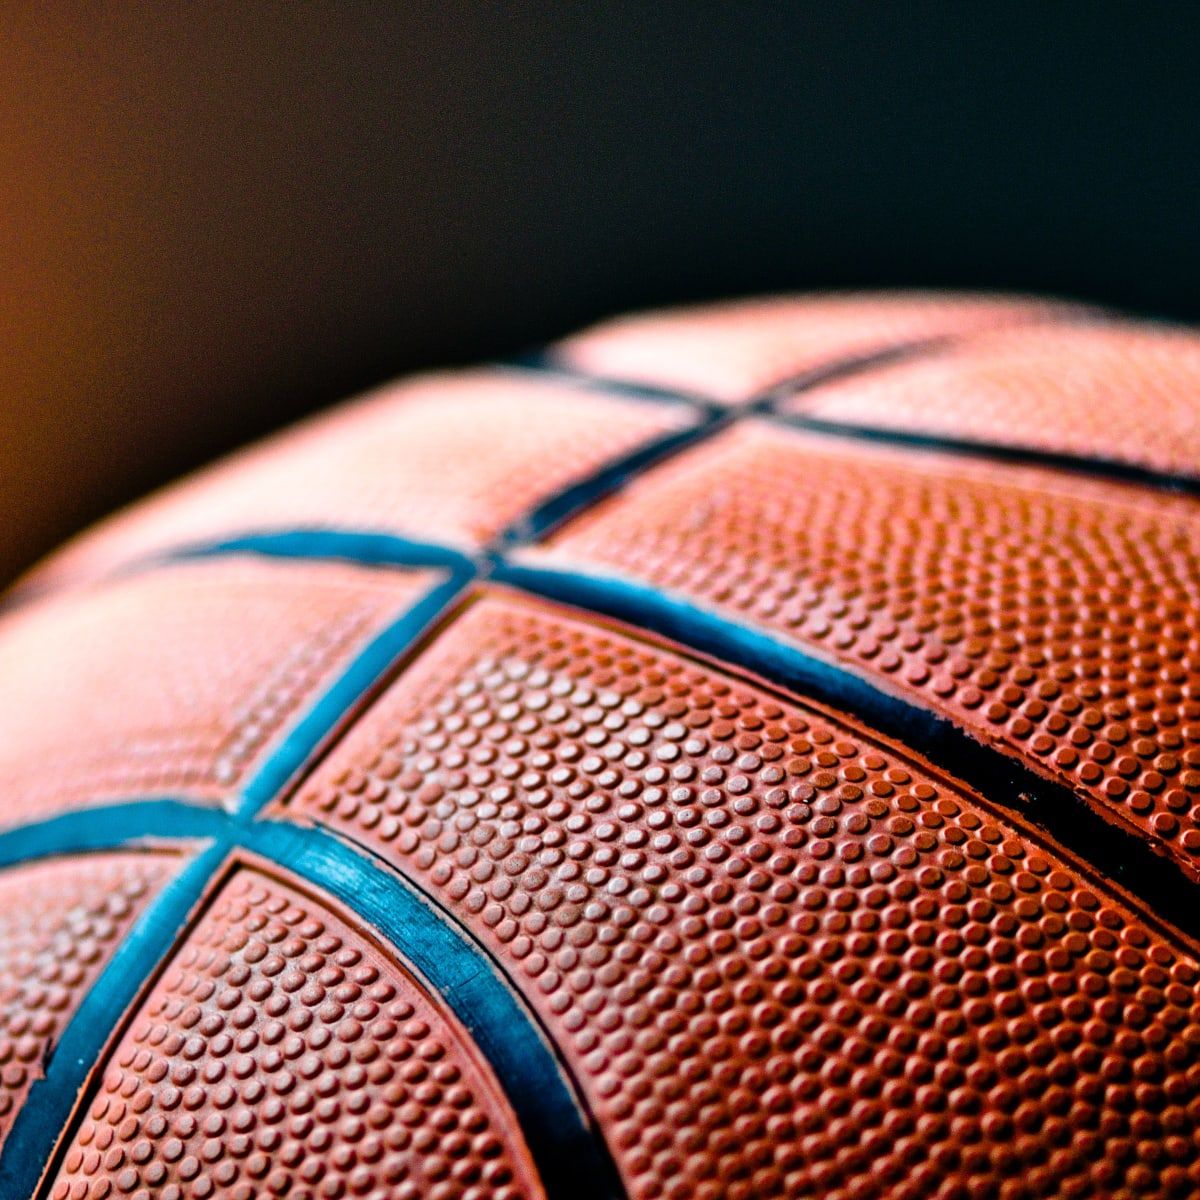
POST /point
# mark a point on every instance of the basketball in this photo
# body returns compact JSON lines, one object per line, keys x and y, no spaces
{"x":744,"y":752}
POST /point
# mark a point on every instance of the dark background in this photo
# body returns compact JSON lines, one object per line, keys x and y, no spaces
{"x":218,"y":218}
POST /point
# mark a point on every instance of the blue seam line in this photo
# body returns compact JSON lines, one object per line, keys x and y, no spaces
{"x":569,"y":1154}
{"x":354,"y":687}
{"x":362,"y":548}
{"x":44,"y":1116}
{"x":1112,"y":851}
{"x":26,"y":1150}
{"x":581,"y":496}
{"x":141,"y":822}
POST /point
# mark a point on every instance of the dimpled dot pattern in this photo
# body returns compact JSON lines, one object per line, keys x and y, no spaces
{"x":743,"y":753}
{"x":175,"y":681}
{"x":783,"y":960}
{"x":1058,"y":617}
{"x":283,"y":1055}
{"x":60,"y":921}
{"x":1056,"y":390}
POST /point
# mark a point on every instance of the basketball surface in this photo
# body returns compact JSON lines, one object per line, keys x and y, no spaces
{"x":738,"y":753}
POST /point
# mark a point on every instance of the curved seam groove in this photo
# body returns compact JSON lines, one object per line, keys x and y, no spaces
{"x":568,"y":1149}
{"x":1088,"y":466}
{"x":1158,"y":884}
{"x":44,"y":1120}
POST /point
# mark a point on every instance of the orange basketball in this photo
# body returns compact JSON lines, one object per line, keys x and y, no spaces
{"x":739,"y":753}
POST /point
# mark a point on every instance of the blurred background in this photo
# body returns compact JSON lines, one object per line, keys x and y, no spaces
{"x":218,"y":218}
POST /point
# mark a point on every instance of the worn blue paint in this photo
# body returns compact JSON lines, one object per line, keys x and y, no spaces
{"x":363,"y":547}
{"x":129,"y":823}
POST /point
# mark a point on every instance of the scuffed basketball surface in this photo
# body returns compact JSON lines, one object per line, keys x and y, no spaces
{"x":744,"y":753}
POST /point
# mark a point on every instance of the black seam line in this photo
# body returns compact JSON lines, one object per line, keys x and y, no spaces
{"x":1088,"y":466}
{"x":766,"y":404}
{"x":1109,"y":850}
{"x":548,"y":360}
{"x":578,"y":498}
{"x":546,"y":363}
{"x":1067,"y":317}
{"x":568,"y":1151}
{"x":769,"y":398}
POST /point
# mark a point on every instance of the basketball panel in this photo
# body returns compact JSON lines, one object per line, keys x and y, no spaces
{"x":179,"y":681}
{"x":60,"y":923}
{"x":284,"y":1052}
{"x":1112,"y":394}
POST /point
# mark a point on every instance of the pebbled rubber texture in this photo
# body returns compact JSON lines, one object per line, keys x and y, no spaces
{"x":782,"y":958}
{"x":60,"y":922}
{"x":733,"y":352}
{"x":1056,"y":390}
{"x":285,"y":1053}
{"x":176,"y":681}
{"x":628,"y":905}
{"x":1056,"y":618}
{"x":431,"y":459}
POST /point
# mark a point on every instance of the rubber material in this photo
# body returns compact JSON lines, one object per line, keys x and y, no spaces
{"x":42,"y":1118}
{"x":1001,"y":778}
{"x":353,"y":689}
